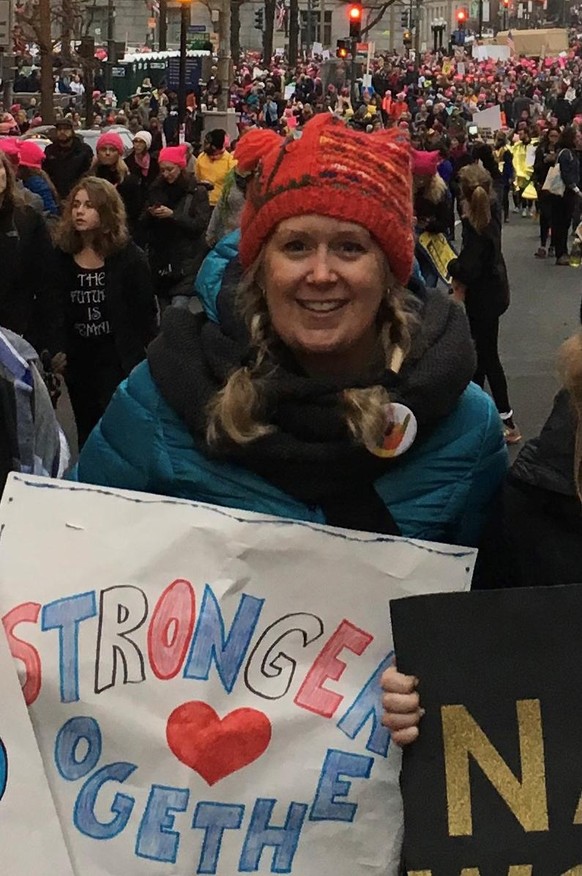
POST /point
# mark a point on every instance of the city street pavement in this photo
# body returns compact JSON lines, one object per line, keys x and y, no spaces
{"x":544,"y":311}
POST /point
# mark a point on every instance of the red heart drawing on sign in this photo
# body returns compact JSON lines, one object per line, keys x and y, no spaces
{"x":215,"y":747}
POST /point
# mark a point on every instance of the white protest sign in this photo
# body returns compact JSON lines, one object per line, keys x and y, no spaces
{"x":289,"y":91}
{"x":530,"y":155}
{"x":461,"y":68}
{"x":31,"y":841}
{"x":495,"y":53}
{"x":316,"y":49}
{"x":204,"y":683}
{"x":488,"y":119}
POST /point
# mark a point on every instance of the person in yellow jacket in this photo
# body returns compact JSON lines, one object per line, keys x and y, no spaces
{"x":523,"y":153}
{"x":214,"y":163}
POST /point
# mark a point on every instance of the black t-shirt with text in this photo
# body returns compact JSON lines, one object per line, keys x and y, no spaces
{"x":87,"y":308}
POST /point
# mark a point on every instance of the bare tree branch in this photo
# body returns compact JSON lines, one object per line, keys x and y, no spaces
{"x":377,"y":17}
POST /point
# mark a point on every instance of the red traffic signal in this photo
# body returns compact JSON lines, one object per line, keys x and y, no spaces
{"x":461,"y":16}
{"x":506,"y":3}
{"x":355,"y":19}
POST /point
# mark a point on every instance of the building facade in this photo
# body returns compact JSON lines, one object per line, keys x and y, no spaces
{"x":321,"y":21}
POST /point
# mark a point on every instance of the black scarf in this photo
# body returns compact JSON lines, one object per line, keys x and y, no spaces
{"x":311,"y":455}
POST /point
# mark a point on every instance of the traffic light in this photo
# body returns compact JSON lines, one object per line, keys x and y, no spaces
{"x":355,"y":18}
{"x":259,"y":19}
{"x":404,"y":19}
{"x":342,"y":49}
{"x":506,"y":4}
{"x":407,"y":38}
{"x":461,"y":17}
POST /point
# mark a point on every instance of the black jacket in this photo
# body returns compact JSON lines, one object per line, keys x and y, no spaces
{"x":176,"y":246}
{"x":29,"y":302}
{"x":66,"y":166}
{"x":569,"y":167}
{"x":536,"y":537}
{"x":144,"y":182}
{"x":481,"y":268}
{"x":541,"y":166}
{"x":128,"y":190}
{"x":130,"y":298}
{"x":433,"y":216}
{"x":562,"y":110}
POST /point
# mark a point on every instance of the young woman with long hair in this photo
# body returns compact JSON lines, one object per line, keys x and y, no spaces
{"x":110,"y":311}
{"x":480,"y":281}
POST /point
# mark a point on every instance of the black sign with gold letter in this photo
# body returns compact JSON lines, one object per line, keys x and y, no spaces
{"x":493,"y":786}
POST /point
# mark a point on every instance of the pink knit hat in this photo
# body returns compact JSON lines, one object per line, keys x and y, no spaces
{"x":31,"y":155}
{"x":110,"y":139}
{"x":11,"y":147}
{"x":174,"y":155}
{"x":425,"y":163}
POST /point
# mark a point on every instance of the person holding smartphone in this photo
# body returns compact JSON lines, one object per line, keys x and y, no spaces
{"x":173,"y":228}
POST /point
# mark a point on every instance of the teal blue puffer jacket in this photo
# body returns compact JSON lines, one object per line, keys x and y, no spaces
{"x":440,"y":490}
{"x":211,"y":273}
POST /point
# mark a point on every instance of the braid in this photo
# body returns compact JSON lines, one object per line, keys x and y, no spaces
{"x":396,"y":319}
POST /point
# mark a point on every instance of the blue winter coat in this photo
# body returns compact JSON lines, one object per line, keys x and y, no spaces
{"x":440,"y":490}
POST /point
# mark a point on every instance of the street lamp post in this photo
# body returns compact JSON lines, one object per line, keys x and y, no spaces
{"x":110,"y":45}
{"x":184,"y":22}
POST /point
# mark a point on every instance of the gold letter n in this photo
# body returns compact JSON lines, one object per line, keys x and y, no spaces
{"x":463,"y":737}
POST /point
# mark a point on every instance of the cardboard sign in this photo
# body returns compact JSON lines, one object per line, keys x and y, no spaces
{"x":31,"y":841}
{"x":493,"y":785}
{"x":489,"y":119}
{"x":204,"y":683}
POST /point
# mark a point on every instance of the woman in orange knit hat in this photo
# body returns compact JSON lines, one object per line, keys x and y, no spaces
{"x":330,"y":387}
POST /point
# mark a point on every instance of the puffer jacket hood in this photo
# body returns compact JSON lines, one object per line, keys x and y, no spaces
{"x":211,"y":274}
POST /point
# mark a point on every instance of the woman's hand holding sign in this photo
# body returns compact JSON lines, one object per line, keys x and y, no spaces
{"x":401,"y":704}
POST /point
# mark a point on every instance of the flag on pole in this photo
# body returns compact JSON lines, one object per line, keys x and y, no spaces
{"x":510,"y":42}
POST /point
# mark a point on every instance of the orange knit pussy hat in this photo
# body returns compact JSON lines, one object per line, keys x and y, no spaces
{"x":330,"y":171}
